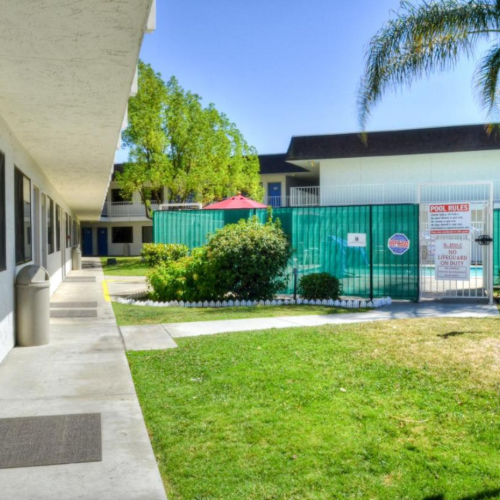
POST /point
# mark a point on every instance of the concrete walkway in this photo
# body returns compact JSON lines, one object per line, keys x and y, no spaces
{"x":83,"y":370}
{"x":395,"y":311}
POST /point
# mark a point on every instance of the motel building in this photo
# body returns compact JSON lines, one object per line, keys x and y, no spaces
{"x":68,"y":70}
{"x":411,"y":214}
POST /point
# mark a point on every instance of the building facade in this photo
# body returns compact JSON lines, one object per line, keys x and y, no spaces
{"x":60,"y":122}
{"x":390,"y":166}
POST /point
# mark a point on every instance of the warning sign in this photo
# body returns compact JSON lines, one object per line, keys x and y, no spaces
{"x":398,"y":244}
{"x":451,"y":218}
{"x":452,"y":259}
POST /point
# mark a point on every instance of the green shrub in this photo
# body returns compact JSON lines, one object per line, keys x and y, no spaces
{"x":245,"y":261}
{"x":157,"y":253}
{"x":249,"y":259}
{"x":190,"y":279}
{"x":320,"y":286}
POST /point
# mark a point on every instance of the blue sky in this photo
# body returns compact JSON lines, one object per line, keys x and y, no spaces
{"x":279,"y":68}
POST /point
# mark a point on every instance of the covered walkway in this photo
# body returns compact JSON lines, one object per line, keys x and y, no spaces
{"x":83,"y":370}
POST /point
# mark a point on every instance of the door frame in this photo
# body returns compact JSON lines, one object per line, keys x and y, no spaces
{"x":103,"y":229}
{"x":271,"y":202}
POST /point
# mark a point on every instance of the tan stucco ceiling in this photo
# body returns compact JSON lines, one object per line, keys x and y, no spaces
{"x":66,"y":69}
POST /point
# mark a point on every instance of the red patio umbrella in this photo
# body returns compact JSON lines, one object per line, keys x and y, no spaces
{"x":235,"y":202}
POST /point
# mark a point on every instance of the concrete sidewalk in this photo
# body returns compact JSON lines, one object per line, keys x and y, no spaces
{"x":395,"y":311}
{"x":83,"y":370}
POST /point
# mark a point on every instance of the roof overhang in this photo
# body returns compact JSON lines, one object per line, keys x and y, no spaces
{"x":67,"y":72}
{"x":309,"y":150}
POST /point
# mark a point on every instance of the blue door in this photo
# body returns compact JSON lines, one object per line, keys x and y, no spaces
{"x":88,"y":243}
{"x":274,"y":194}
{"x":102,"y":241}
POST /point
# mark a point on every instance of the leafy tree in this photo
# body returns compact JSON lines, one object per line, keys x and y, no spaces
{"x":196,"y":151}
{"x":147,"y":170}
{"x":429,"y":37}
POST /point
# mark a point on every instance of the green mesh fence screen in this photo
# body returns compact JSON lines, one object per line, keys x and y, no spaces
{"x":496,"y":247}
{"x":319,"y":238}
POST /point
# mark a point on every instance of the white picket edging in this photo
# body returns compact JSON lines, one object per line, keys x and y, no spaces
{"x":349,"y":304}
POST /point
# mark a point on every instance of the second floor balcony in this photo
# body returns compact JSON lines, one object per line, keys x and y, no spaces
{"x":125,"y":210}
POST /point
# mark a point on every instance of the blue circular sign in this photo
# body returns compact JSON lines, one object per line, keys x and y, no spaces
{"x":399,"y":244}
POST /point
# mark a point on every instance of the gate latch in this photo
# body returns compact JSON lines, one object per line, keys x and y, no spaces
{"x":484,"y":240}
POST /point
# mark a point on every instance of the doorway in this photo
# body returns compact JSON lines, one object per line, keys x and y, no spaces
{"x":102,"y":241}
{"x":88,"y":241}
{"x":274,"y":194}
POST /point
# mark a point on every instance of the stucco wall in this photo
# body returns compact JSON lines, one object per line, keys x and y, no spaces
{"x":16,"y":155}
{"x":443,"y":167}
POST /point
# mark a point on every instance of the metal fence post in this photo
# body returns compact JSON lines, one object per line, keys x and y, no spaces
{"x":371,"y":252}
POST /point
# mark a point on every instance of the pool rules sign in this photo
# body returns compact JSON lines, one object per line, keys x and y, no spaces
{"x":453,"y":260}
{"x":450,"y":218}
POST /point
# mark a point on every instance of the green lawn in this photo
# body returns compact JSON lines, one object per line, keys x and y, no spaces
{"x":392,"y":410}
{"x":127,"y":266}
{"x":141,"y":315}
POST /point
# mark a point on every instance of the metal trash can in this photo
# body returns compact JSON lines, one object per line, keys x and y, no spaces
{"x":76,"y":258}
{"x":32,"y":306}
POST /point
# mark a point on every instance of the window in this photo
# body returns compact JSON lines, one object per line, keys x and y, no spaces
{"x":22,"y":200}
{"x":50,"y":226}
{"x":3,"y":216}
{"x":122,"y":235}
{"x":58,"y":228}
{"x":147,"y":234}
{"x":117,"y":197}
{"x":74,"y":242}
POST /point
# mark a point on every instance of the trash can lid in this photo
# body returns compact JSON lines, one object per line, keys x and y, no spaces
{"x":33,"y":275}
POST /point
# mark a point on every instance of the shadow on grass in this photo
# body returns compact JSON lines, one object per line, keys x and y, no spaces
{"x":448,"y":335}
{"x":483,"y":495}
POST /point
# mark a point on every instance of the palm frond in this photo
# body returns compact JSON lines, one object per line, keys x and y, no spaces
{"x":421,"y":40}
{"x":486,"y":83}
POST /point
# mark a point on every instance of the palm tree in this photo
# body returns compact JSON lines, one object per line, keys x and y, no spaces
{"x":430,"y":37}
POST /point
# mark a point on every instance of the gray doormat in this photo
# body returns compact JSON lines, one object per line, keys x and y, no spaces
{"x":80,"y":279}
{"x":51,"y":440}
{"x":70,"y":305}
{"x":73,"y":313}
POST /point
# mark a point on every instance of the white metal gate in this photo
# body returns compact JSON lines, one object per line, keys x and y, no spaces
{"x":480,"y":283}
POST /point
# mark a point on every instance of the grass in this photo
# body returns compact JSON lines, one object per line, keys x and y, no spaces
{"x":126,"y":266}
{"x":390,"y":410}
{"x":141,"y":315}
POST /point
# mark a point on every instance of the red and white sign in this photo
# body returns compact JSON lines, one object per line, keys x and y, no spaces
{"x":452,"y":259}
{"x":450,"y":218}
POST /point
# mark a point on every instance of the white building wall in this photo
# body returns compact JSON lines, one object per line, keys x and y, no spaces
{"x":442,"y":167}
{"x":16,"y":155}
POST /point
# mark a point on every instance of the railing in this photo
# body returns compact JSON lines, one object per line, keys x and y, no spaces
{"x":375,"y":194}
{"x":277,"y":201}
{"x":125,"y":209}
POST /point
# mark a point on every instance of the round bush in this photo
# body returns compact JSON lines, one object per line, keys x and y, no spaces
{"x":249,"y":259}
{"x":320,"y":286}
